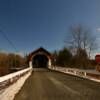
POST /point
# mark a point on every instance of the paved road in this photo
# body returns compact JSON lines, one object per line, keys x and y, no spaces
{"x":50,"y":85}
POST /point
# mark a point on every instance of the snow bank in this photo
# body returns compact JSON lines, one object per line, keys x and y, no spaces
{"x":10,"y":92}
{"x":88,"y":74}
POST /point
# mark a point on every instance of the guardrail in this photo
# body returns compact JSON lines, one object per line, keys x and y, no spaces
{"x":9,"y":79}
{"x":91,"y":75}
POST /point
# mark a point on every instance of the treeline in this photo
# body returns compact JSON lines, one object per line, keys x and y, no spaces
{"x":9,"y":62}
{"x":79,"y":46}
{"x":65,"y":58}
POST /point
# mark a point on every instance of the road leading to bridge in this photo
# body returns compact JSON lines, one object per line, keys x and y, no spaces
{"x":51,"y":85}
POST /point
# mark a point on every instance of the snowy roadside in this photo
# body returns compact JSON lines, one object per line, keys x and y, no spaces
{"x":88,"y":74}
{"x":10,"y":92}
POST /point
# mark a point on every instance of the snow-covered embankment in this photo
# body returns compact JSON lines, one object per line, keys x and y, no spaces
{"x":88,"y":74}
{"x":9,"y":92}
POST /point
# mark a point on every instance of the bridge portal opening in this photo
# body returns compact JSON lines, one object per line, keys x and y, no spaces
{"x":40,"y":58}
{"x":40,"y":61}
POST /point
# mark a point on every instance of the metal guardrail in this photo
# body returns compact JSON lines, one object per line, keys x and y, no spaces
{"x":11,"y":78}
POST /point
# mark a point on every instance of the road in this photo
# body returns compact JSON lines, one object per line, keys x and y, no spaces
{"x":51,"y":85}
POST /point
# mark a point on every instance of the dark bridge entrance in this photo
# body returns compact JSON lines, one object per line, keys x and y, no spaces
{"x":40,"y":61}
{"x":40,"y":58}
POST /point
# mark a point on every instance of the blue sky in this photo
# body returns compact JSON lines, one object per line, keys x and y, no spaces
{"x":30,"y":24}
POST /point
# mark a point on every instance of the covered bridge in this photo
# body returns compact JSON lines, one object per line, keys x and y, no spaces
{"x":40,"y":58}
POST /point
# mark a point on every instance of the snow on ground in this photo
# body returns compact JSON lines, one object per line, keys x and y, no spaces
{"x":10,"y":92}
{"x":79,"y":72}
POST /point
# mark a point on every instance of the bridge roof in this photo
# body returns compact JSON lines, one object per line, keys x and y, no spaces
{"x":41,"y":49}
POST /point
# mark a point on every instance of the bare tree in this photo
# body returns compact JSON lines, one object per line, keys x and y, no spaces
{"x":80,"y":37}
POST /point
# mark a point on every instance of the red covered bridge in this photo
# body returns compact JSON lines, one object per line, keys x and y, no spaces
{"x":40,"y":58}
